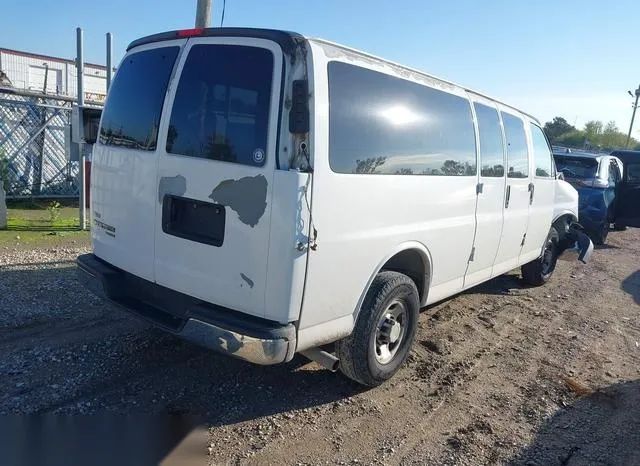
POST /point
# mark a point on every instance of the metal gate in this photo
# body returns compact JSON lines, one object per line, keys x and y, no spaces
{"x":35,"y":145}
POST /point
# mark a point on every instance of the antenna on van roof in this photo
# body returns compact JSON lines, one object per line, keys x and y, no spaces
{"x":224,"y":7}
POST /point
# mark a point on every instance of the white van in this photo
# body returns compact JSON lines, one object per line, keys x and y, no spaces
{"x":265,"y":194}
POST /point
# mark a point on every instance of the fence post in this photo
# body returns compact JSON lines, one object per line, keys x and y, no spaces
{"x":3,"y":195}
{"x":3,"y":206}
{"x":80,"y":73}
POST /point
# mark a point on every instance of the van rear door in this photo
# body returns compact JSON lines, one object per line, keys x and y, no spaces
{"x":124,"y":168}
{"x":215,"y":171}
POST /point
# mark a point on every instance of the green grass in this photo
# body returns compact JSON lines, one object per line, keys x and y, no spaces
{"x":31,"y":219}
{"x":34,"y":224}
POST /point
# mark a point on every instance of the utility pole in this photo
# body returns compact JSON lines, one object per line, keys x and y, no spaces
{"x":109,"y":59}
{"x":203,"y":14}
{"x":633,"y":115}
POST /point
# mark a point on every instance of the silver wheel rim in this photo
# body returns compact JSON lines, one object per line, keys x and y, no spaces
{"x":390,"y":332}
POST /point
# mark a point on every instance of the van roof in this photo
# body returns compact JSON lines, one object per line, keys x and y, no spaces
{"x":287,"y":40}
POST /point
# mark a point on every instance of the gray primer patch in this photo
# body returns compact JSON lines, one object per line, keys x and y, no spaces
{"x":176,"y":185}
{"x":247,"y":279}
{"x":247,"y":196}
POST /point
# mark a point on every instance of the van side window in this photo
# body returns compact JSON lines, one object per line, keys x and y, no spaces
{"x":380,"y":124}
{"x":491,"y":143}
{"x":517,"y":156}
{"x":131,"y":116}
{"x":222,"y":104}
{"x":541,"y":153}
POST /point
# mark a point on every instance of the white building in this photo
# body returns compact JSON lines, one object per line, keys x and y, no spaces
{"x":27,"y":71}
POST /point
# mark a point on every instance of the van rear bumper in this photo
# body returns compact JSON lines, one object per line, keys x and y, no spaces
{"x":226,"y":331}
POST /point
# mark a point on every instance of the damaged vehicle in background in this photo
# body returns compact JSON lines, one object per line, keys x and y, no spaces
{"x":607,"y":197}
{"x":596,"y":178}
{"x":264,"y":194}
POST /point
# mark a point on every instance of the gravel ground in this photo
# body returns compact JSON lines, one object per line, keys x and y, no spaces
{"x":499,"y":374}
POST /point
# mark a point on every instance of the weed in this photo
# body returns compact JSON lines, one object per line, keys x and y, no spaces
{"x":54,"y":211}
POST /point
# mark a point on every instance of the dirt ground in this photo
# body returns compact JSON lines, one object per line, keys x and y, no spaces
{"x":501,"y":374}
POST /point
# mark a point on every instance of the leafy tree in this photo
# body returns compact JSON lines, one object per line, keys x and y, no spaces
{"x":557,"y":128}
{"x":575,"y":138}
{"x":611,"y":128}
{"x":593,"y":129}
{"x":369,"y":165}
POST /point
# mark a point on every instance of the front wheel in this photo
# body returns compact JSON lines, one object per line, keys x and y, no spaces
{"x":599,"y":236}
{"x":538,"y":271}
{"x":384,"y":331}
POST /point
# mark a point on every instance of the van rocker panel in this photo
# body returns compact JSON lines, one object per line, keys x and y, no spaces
{"x":226,"y":331}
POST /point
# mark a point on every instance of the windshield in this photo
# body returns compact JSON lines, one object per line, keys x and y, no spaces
{"x":576,"y":167}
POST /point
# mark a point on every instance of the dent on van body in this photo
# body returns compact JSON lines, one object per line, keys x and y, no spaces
{"x":176,"y":185}
{"x":247,"y":196}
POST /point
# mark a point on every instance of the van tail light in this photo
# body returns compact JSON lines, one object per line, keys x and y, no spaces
{"x":190,"y":32}
{"x":594,"y":183}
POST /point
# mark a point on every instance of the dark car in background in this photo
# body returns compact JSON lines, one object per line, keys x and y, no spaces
{"x":597,"y":178}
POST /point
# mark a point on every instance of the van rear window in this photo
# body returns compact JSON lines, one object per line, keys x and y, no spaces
{"x":577,"y":168}
{"x":222,"y":104}
{"x":132,"y":113}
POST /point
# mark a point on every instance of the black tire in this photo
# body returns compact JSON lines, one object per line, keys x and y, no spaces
{"x":358,"y":353}
{"x":539,"y":271}
{"x":599,"y":236}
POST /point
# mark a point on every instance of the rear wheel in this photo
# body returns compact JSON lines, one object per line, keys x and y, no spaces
{"x":538,"y":272}
{"x":384,"y":331}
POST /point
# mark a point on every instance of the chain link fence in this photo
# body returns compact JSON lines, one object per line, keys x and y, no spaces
{"x":35,"y":146}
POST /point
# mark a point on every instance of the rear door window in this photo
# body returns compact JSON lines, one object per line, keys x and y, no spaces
{"x":517,"y":153}
{"x":132,"y":113}
{"x":222,"y":104}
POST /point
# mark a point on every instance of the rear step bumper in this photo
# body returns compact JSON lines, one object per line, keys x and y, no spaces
{"x":226,"y":331}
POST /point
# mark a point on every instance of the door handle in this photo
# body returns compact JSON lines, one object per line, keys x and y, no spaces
{"x":531,"y":190}
{"x":506,"y":202}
